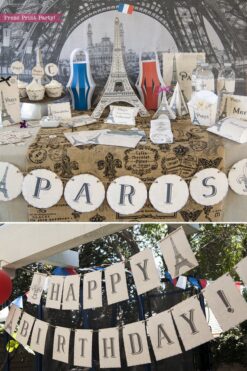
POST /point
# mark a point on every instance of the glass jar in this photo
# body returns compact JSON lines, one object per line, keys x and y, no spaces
{"x":205,"y":78}
{"x":226,"y":79}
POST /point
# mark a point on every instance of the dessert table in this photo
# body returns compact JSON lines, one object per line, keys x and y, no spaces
{"x":193,"y":149}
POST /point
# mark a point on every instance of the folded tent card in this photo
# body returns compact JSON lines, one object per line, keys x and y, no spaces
{"x":120,"y":115}
{"x":203,"y":108}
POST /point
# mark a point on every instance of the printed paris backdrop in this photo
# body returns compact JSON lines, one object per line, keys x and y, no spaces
{"x":216,"y":28}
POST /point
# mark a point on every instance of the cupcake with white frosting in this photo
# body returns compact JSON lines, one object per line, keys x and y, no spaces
{"x":54,"y":89}
{"x":35,"y":91}
{"x":22,"y":86}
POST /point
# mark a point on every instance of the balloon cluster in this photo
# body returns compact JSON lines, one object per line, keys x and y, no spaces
{"x":6,"y":287}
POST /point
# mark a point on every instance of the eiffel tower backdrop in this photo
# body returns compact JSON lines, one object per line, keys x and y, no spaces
{"x":185,"y":20}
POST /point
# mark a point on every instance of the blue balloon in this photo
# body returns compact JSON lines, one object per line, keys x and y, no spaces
{"x":60,"y":272}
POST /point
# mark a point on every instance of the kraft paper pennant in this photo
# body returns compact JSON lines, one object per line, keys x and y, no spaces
{"x":55,"y":291}
{"x":38,"y":337}
{"x":36,"y":288}
{"x":226,"y":302}
{"x":163,"y":336}
{"x":109,"y":352}
{"x":145,"y":272}
{"x":71,"y":292}
{"x":116,"y":284}
{"x":241,"y":269}
{"x":177,"y":253}
{"x":191,"y":323}
{"x":83,"y":348}
{"x":12,"y":319}
{"x":61,"y":344}
{"x":25,"y":328}
{"x":135,"y":344}
{"x":92,"y":290}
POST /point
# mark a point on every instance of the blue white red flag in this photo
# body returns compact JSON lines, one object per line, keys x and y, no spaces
{"x":125,"y":8}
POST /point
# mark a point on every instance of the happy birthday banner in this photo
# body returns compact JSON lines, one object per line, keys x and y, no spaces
{"x":126,"y":195}
{"x":186,"y":318}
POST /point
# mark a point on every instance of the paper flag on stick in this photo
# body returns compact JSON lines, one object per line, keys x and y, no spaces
{"x":226,"y":302}
{"x":241,"y":269}
{"x":181,"y":283}
{"x":191,"y":323}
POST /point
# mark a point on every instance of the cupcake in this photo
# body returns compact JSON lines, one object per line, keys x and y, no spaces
{"x":54,"y":89}
{"x":22,"y":89}
{"x":35,"y":91}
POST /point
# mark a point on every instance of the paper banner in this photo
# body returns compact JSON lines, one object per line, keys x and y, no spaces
{"x":36,"y":288}
{"x":182,"y":282}
{"x":38,"y":337}
{"x":135,"y":344}
{"x":126,"y":195}
{"x":25,"y":328}
{"x":42,"y":188}
{"x":55,"y":291}
{"x":226,"y":302}
{"x":109,"y":352}
{"x":84,"y":193}
{"x":83,"y":348}
{"x":191,"y":323}
{"x":92,"y":290}
{"x":177,"y":253}
{"x":61,"y":344}
{"x":71,"y":292}
{"x":163,"y":336}
{"x":241,"y":269}
{"x":145,"y":273}
{"x":116,"y":284}
{"x":11,"y":180}
{"x":209,"y":187}
{"x":12,"y":319}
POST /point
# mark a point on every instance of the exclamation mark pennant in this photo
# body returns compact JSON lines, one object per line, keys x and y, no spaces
{"x":225,"y":301}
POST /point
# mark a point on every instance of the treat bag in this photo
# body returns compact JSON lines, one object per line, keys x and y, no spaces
{"x":81,"y":84}
{"x":149,"y":82}
{"x":9,"y":101}
{"x":185,"y":64}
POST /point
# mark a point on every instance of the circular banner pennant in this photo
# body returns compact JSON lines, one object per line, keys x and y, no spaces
{"x":11,"y":180}
{"x":127,"y":195}
{"x":168,"y":193}
{"x":84,"y":193}
{"x":42,"y":188}
{"x":209,"y":187}
{"x":51,"y":69}
{"x":237,"y":177}
{"x":17,"y":67}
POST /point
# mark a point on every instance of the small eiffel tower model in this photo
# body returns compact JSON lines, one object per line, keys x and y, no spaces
{"x":180,"y":261}
{"x":164,"y":109}
{"x":39,"y":62}
{"x":5,"y":118}
{"x":118,"y":88}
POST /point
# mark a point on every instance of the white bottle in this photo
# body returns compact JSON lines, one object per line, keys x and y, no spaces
{"x":226,"y":79}
{"x":205,"y":78}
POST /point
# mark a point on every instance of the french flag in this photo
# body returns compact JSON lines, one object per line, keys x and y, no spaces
{"x":125,"y":8}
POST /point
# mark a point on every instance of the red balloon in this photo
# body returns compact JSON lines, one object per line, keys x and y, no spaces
{"x":5,"y":287}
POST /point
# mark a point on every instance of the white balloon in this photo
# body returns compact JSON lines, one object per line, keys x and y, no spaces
{"x":168,"y":193}
{"x":209,"y":187}
{"x":11,"y":180}
{"x":84,"y":193}
{"x":237,"y":177}
{"x":42,"y":188}
{"x":127,"y":195}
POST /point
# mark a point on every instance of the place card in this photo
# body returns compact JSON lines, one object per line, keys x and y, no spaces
{"x":231,"y":128}
{"x":160,"y":131}
{"x":60,"y":111}
{"x":120,"y":115}
{"x":81,"y":120}
{"x":234,"y":106}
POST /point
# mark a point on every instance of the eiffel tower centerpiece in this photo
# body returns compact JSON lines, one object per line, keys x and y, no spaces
{"x":5,"y":118}
{"x":118,"y":88}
